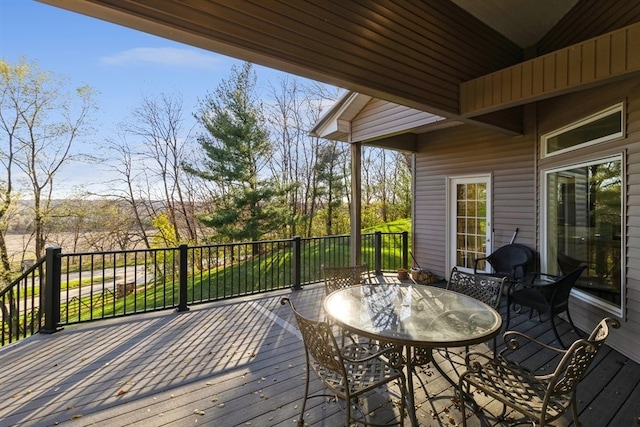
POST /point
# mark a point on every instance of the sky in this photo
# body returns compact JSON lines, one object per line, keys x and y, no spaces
{"x":119,"y":63}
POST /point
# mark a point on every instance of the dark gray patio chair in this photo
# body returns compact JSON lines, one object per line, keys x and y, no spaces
{"x":349,"y":372}
{"x":541,"y":398}
{"x":550,"y":297}
{"x":341,"y":277}
{"x":511,"y":260}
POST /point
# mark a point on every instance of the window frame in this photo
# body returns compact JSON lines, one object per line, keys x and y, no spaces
{"x":544,"y":229}
{"x":617,"y":108}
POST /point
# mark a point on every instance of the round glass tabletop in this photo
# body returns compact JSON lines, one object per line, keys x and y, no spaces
{"x":417,"y":315}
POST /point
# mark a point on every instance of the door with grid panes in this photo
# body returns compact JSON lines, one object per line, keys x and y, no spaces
{"x":470,"y":220}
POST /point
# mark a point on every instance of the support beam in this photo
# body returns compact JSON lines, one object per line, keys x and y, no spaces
{"x":356,"y":203}
{"x":594,"y":62}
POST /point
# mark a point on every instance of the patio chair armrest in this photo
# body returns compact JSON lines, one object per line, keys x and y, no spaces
{"x":513,"y":341}
{"x":472,"y":360}
{"x":369,"y":354}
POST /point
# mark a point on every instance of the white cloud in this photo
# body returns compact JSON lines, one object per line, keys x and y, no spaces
{"x":167,"y":56}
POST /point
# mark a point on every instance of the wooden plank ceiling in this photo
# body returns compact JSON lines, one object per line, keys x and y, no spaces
{"x":412,"y":53}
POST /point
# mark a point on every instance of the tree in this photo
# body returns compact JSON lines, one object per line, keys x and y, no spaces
{"x":237,"y":149}
{"x":296,"y":108}
{"x":41,"y":118}
{"x":148,"y":159}
{"x":331,"y":181}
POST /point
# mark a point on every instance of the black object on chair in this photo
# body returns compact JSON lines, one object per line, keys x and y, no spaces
{"x":510,"y":260}
{"x":552,"y":298}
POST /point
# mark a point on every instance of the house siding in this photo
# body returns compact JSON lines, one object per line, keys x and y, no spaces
{"x":383,"y":119}
{"x":571,"y":108}
{"x":515,"y":167}
{"x":463,"y":151}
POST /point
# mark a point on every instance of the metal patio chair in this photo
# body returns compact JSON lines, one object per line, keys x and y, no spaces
{"x":510,"y":260}
{"x":541,"y":398}
{"x":551,"y":297}
{"x":487,"y":289}
{"x":348,"y":372}
{"x":341,"y":277}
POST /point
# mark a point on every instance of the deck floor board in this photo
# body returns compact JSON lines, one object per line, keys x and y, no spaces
{"x":241,"y":362}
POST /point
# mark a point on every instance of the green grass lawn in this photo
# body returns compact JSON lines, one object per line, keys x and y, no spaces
{"x":256,"y":274}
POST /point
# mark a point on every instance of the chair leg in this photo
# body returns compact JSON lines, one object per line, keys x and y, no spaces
{"x":306,"y":394}
{"x":462,"y":407}
{"x":506,"y":328}
{"x":555,"y":331}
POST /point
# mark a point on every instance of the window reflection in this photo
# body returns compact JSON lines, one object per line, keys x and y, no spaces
{"x":584,"y":226}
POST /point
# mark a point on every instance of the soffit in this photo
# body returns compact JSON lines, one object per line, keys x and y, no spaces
{"x":524,"y":22}
{"x":414,"y":54}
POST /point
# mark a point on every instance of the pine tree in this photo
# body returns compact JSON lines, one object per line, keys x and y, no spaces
{"x":237,"y":149}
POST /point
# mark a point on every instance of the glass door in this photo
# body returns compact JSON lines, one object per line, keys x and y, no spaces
{"x":470,"y":220}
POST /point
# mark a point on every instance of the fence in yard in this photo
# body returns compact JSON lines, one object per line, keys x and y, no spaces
{"x":63,"y":289}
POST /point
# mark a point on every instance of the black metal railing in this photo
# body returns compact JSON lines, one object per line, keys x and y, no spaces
{"x":20,"y":304}
{"x":79,"y":287}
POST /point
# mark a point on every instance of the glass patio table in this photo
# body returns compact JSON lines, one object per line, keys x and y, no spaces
{"x":415,"y":319}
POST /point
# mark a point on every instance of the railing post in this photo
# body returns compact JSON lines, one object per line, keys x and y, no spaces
{"x":377,"y":259}
{"x":52,"y":290}
{"x":405,"y":250}
{"x":182,"y":272}
{"x":297,"y":263}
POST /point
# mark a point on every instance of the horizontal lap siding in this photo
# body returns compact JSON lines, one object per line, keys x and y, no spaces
{"x":381,"y":118}
{"x":467,"y":150}
{"x":561,"y":111}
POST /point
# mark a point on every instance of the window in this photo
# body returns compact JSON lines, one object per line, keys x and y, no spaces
{"x":584,"y":227}
{"x":603,"y":126}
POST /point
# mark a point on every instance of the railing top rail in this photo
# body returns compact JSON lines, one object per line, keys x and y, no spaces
{"x":117,"y":252}
{"x":175,"y":277}
{"x":24,"y":275}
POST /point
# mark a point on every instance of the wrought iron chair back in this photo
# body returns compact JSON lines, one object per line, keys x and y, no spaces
{"x":542,"y":398}
{"x":577,"y":359}
{"x":341,"y":277}
{"x":348,"y":371}
{"x":487,"y":289}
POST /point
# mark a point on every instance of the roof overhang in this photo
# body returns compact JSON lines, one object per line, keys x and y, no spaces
{"x":461,"y":60}
{"x":335,"y":124}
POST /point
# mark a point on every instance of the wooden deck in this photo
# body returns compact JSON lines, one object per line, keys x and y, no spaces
{"x":239,"y":363}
